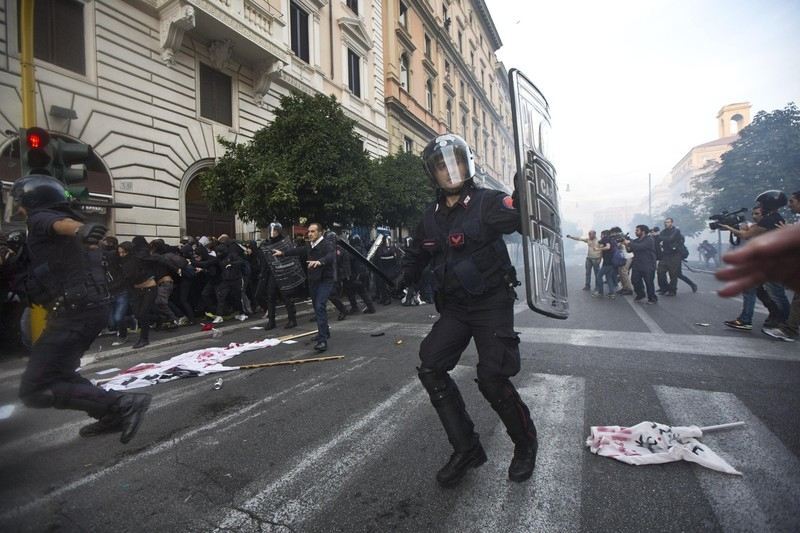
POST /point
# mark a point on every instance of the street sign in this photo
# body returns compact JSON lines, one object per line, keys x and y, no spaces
{"x":537,"y":190}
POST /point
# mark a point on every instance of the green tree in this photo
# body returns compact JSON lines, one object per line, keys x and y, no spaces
{"x":685,"y":217}
{"x":308,"y":163}
{"x":765,"y":156}
{"x":400,"y":189}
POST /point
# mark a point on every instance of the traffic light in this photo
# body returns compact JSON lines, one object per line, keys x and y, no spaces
{"x":65,"y":155}
{"x":35,"y":149}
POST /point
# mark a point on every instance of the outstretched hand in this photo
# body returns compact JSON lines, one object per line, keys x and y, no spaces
{"x":773,"y":256}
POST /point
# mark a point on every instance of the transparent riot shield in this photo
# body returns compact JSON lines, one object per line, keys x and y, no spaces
{"x":545,"y":272}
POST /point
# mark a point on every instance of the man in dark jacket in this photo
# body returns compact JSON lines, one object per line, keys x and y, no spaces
{"x":671,"y":242}
{"x":643,"y":267}
{"x":321,"y":260}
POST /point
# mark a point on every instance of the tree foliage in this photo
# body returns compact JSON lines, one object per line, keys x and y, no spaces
{"x":308,"y":162}
{"x":400,"y":188}
{"x":765,"y":156}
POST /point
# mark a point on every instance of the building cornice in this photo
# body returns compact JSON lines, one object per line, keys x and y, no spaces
{"x":488,"y":23}
{"x":395,"y":107}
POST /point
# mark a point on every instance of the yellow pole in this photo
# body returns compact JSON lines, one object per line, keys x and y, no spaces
{"x":28,"y":90}
{"x":27,"y":65}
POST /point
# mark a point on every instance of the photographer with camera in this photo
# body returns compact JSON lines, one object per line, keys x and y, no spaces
{"x":766,"y":218}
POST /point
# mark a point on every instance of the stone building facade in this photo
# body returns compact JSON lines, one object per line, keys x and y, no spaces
{"x":442,"y":74}
{"x":153,"y":84}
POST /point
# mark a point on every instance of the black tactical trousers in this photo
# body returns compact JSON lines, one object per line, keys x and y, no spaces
{"x":51,"y":378}
{"x":669,"y":265}
{"x":273,"y":293}
{"x":490,"y":322}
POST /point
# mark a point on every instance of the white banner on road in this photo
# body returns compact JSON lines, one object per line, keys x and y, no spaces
{"x":189,"y":364}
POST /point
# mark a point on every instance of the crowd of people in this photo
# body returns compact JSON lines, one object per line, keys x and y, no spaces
{"x":621,"y":265}
{"x":156,"y":285}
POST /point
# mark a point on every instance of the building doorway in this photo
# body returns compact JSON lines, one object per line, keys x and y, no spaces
{"x":199,"y":218}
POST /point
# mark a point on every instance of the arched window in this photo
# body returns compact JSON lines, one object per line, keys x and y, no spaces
{"x":405,"y":79}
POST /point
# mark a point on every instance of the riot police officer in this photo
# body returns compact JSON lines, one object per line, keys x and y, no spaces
{"x":65,"y":273}
{"x":270,"y":283}
{"x":460,"y":236}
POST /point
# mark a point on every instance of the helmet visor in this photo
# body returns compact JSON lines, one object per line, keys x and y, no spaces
{"x":449,"y":167}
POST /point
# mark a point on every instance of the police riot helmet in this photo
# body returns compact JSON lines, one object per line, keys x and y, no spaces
{"x":449,"y":162}
{"x":38,"y":191}
{"x":772,"y":200}
{"x":275,"y":226}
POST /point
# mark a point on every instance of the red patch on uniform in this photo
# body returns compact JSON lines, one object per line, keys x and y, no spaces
{"x":508,"y":202}
{"x":456,"y":240}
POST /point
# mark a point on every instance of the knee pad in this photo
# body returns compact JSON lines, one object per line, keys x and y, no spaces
{"x":438,"y":384}
{"x":40,"y":399}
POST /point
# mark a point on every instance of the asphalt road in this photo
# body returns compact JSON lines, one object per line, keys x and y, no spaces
{"x":353,"y":445}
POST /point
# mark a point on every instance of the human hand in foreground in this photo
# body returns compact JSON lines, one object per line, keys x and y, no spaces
{"x":773,"y":256}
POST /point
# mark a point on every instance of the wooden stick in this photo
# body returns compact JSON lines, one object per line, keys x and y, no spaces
{"x":291,"y":362}
{"x":296,"y":336}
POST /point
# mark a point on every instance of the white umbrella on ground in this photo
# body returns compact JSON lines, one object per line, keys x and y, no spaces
{"x":649,"y":443}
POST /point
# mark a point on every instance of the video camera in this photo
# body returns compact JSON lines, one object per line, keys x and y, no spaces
{"x":618,"y":236}
{"x":728,"y":219}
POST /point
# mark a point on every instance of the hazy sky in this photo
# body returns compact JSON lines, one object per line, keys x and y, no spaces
{"x":633,"y":85}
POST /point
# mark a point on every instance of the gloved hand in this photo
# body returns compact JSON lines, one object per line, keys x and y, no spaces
{"x":91,"y":234}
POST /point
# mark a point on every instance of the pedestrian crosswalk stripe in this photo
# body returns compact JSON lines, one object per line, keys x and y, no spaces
{"x":305,"y":488}
{"x":550,"y":500}
{"x":740,"y":503}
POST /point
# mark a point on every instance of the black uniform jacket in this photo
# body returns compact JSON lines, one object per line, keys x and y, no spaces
{"x":464,"y":243}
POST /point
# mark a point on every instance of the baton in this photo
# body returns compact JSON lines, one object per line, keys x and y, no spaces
{"x":361,"y":259}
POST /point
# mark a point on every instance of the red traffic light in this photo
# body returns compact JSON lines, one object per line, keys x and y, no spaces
{"x":36,"y":138}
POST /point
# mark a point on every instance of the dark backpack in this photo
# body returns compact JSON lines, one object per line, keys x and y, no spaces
{"x":684,"y":251}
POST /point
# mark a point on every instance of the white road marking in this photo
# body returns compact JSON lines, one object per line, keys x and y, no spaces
{"x":752,"y":345}
{"x":550,"y":501}
{"x":740,"y":503}
{"x":651,"y":324}
{"x":218,"y":425}
{"x":305,"y":488}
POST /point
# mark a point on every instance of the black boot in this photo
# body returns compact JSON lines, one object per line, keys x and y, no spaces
{"x":110,"y":423}
{"x":446,"y":399}
{"x":292,"y":323}
{"x":515,"y":415}
{"x":270,"y":324}
{"x":130,"y":409}
{"x":144,"y":337}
